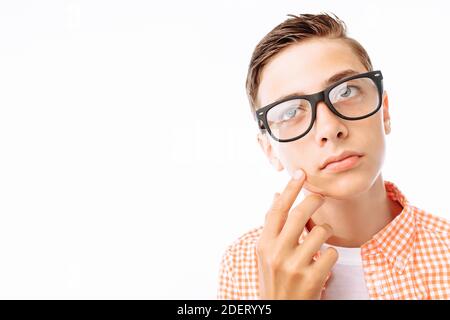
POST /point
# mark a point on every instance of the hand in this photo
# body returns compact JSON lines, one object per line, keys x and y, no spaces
{"x":286,"y":268}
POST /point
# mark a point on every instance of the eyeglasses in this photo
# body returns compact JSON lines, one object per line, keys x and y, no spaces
{"x":353,"y":98}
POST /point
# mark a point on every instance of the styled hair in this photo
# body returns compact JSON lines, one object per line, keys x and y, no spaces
{"x":292,"y":31}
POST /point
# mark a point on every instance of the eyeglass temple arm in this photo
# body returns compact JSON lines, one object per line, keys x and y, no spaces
{"x":259,"y":123}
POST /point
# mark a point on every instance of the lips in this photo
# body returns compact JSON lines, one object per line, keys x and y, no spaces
{"x":340,"y":157}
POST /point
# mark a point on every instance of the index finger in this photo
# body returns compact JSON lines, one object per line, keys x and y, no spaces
{"x":277,"y":214}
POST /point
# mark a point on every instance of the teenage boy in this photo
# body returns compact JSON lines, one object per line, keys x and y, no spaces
{"x":323,"y":115}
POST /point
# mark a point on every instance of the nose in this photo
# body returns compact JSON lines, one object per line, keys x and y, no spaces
{"x":328,"y":127}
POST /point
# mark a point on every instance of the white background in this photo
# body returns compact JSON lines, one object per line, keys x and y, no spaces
{"x":128,"y":158}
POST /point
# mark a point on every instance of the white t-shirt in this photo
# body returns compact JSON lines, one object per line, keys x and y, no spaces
{"x":347,"y":276}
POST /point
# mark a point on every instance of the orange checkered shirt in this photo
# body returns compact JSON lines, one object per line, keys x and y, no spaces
{"x":408,"y":259}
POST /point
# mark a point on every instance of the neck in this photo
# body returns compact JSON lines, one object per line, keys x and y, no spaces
{"x":356,"y":220}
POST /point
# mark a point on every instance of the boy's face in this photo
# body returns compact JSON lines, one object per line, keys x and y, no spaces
{"x":304,"y":68}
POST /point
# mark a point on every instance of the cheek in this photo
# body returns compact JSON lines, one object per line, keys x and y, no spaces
{"x":295,"y":155}
{"x":376,"y":149}
{"x":374,"y":138}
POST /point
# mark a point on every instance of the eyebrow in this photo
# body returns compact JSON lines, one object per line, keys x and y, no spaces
{"x":334,"y":78}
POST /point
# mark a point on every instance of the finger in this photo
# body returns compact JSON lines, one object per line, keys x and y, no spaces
{"x":325,"y":263}
{"x":297,"y":220}
{"x":291,"y":191}
{"x":278,"y":212}
{"x":312,"y":243}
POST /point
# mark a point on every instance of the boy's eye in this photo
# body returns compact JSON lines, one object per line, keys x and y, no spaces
{"x":345,"y":91}
{"x":290,"y":113}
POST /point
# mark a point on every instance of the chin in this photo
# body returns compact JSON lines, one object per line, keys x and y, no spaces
{"x":342,"y":186}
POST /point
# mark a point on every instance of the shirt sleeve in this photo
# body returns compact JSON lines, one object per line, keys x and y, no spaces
{"x":227,"y":288}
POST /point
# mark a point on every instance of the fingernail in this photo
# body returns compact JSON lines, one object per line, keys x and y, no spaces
{"x":298,"y":174}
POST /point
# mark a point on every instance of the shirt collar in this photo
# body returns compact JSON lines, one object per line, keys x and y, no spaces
{"x":396,"y":240}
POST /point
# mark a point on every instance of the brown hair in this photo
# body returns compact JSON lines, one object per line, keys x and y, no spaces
{"x":294,"y":30}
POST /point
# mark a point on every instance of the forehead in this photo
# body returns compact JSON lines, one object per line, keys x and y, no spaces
{"x":305,"y":67}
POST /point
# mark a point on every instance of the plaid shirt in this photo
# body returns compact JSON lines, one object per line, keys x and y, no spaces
{"x":408,"y":259}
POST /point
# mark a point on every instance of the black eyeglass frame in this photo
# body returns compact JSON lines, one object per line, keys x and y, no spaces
{"x":260,"y":115}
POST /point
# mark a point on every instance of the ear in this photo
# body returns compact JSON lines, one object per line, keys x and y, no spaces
{"x":266,"y":147}
{"x":386,"y":116}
